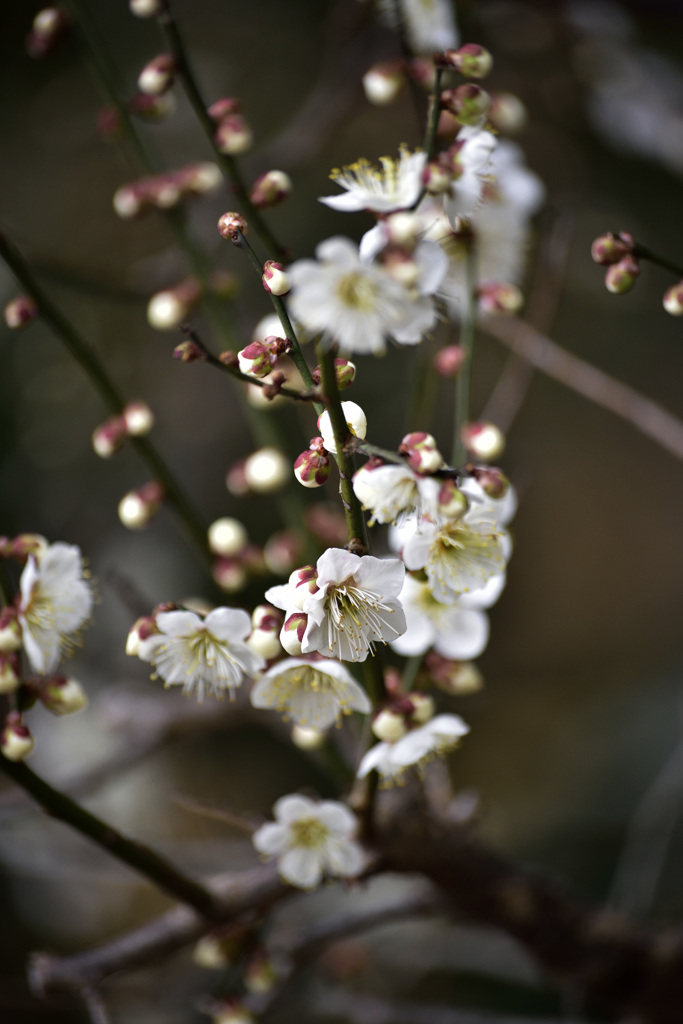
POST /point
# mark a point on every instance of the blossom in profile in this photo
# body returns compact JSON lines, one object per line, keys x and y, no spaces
{"x":56,"y":602}
{"x":203,"y":655}
{"x":350,"y":604}
{"x":393,"y":185}
{"x":311,"y":840}
{"x":314,"y":694}
{"x":435,"y":738}
{"x":356,"y":303}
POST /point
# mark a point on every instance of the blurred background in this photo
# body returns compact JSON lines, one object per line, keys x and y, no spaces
{"x":582,"y":706}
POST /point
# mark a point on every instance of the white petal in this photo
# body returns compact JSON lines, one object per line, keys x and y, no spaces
{"x":337,"y":817}
{"x":301,"y":867}
{"x":270,"y":839}
{"x":291,"y":808}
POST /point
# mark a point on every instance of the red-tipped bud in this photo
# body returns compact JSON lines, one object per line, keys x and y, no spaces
{"x":189,"y":352}
{"x":9,"y":673}
{"x":170,"y":308}
{"x":469,"y":103}
{"x":230,"y":223}
{"x":138,"y":508}
{"x":130,"y":201}
{"x":62,"y":696}
{"x":471,"y":60}
{"x":109,"y":437}
{"x":200,"y":178}
{"x":292,"y":633}
{"x":256,"y":359}
{"x":345,"y":372}
{"x":449,"y":361}
{"x":26,"y":544}
{"x":20,"y":311}
{"x":152,"y":108}
{"x":436,"y":177}
{"x":451,"y":502}
{"x":608,"y":249}
{"x":422,"y":71}
{"x":421,"y":451}
{"x":271,"y":188}
{"x":16,"y":741}
{"x":275,"y":280}
{"x":303,"y":582}
{"x":233,"y":135}
{"x":229,"y":574}
{"x":156,"y":77}
{"x":223,"y":108}
{"x":507,"y":113}
{"x":456,"y":677}
{"x":622,"y":276}
{"x":227,"y":537}
{"x":499,"y":297}
{"x":145,"y":627}
{"x":483,"y":441}
{"x":50,"y":29}
{"x":383,"y":82}
{"x":10,"y":630}
{"x":673,"y":299}
{"x":312,"y":467}
{"x":492,"y":481}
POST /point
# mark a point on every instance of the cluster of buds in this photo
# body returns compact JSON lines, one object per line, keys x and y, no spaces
{"x":396,"y":719}
{"x":270,"y":189}
{"x":469,"y":103}
{"x":449,"y":361}
{"x":233,"y":134}
{"x":344,"y":371}
{"x":137,"y":508}
{"x":136,"y":420}
{"x":483,"y":441}
{"x":163,"y":191}
{"x":383,"y":82}
{"x":157,"y":76}
{"x":471,"y":60}
{"x":16,"y":741}
{"x":20,"y":311}
{"x":499,"y":297}
{"x":266,"y":623}
{"x":264,"y":471}
{"x":617,"y":253}
{"x":312,"y":467}
{"x":170,"y":308}
{"x":275,"y":280}
{"x":259,"y":357}
{"x":454,"y":677}
{"x":49,"y":30}
{"x":421,"y":453}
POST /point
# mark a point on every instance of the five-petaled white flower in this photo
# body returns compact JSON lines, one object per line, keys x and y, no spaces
{"x":353,"y":605}
{"x":55,"y":602}
{"x":314,"y":693}
{"x":434,"y":739}
{"x":311,"y":840}
{"x":395,"y":185}
{"x":202,"y":655}
{"x":355,"y":303}
{"x":392,"y":492}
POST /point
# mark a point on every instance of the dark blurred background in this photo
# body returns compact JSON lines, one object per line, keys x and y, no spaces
{"x":584,"y":670}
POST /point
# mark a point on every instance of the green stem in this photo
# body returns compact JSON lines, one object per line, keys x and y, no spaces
{"x":138,"y":856}
{"x":467,"y":338}
{"x":383,"y":453}
{"x":643,"y":253}
{"x":432,"y":125}
{"x":227,"y":164}
{"x":89,"y":361}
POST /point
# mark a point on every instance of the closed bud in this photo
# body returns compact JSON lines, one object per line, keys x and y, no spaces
{"x":274,"y":278}
{"x":383,"y":82}
{"x":455,"y":677}
{"x":421,"y":452}
{"x":163,"y":191}
{"x":673,"y":299}
{"x":170,"y":308}
{"x":447,"y":126}
{"x":499,"y":297}
{"x":292,"y":633}
{"x":265,"y":642}
{"x":281,"y":552}
{"x":471,"y":60}
{"x":109,"y":437}
{"x":483,"y":441}
{"x":256,"y":359}
{"x":400,"y":264}
{"x":608,"y":249}
{"x":145,"y":8}
{"x":423,"y":707}
{"x":345,"y":372}
{"x":156,"y":77}
{"x":26,"y":544}
{"x":449,"y":361}
{"x":138,"y":508}
{"x":451,"y":502}
{"x":200,"y":178}
{"x":223,"y":108}
{"x":312,"y":467}
{"x":20,"y":312}
{"x":50,"y":28}
{"x":16,"y":741}
{"x":469,"y":103}
{"x":236,"y":479}
{"x":10,"y":630}
{"x":189,"y":352}
{"x":436,"y":177}
{"x":507,"y":113}
{"x":356,"y":422}
{"x":212,"y":952}
{"x":271,"y":188}
{"x":233,"y":135}
{"x":229,"y":574}
{"x":423,"y":71}
{"x":403,"y":228}
{"x":622,"y":276}
{"x":492,"y":481}
{"x":62,"y":696}
{"x":306,"y":738}
{"x":227,"y":537}
{"x":266,"y":470}
{"x":264,"y":616}
{"x":152,"y":108}
{"x":138,"y":418}
{"x":304,"y":584}
{"x":230,"y":223}
{"x":9,"y":674}
{"x":130,"y":201}
{"x":389,"y":726}
{"x":145,"y":627}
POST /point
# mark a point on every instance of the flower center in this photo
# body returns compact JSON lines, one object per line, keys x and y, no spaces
{"x":309,"y":832}
{"x":357,"y":291}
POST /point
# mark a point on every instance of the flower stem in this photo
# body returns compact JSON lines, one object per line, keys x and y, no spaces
{"x":641,"y":252}
{"x":410,"y":671}
{"x":89,"y":361}
{"x":467,"y":338}
{"x":228,"y":165}
{"x":138,"y":856}
{"x":432,"y":125}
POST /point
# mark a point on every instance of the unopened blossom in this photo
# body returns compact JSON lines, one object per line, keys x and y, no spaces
{"x":56,"y":602}
{"x":356,"y":423}
{"x":356,"y":303}
{"x":435,"y":738}
{"x":203,"y":655}
{"x":393,"y":185}
{"x":227,"y":536}
{"x":311,"y":840}
{"x":383,"y":82}
{"x":16,"y":741}
{"x":315,"y":694}
{"x":354,"y":606}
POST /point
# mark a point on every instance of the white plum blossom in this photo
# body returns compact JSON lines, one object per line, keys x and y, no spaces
{"x":392,"y":492}
{"x":428,"y":24}
{"x":56,"y":601}
{"x":352,"y":606}
{"x":476,"y":149}
{"x":394,"y":185}
{"x":355,"y":303}
{"x":315,"y":694}
{"x":434,"y":739}
{"x":203,"y":655}
{"x":311,"y":840}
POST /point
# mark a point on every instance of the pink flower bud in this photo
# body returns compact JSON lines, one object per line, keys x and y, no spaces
{"x":156,"y":77}
{"x":230,"y":223}
{"x":507,"y":113}
{"x":303,"y":582}
{"x":264,"y":616}
{"x":483,"y":441}
{"x":449,"y":361}
{"x":10,"y":630}
{"x":383,"y":82}
{"x":422,"y":454}
{"x":163,"y":191}
{"x":621,"y":277}
{"x":109,"y":437}
{"x":447,"y":126}
{"x":138,"y":418}
{"x":130,"y":201}
{"x":170,"y":308}
{"x":20,"y":311}
{"x":229,"y":574}
{"x":227,"y":537}
{"x":345,"y":372}
{"x":62,"y":696}
{"x":271,"y":188}
{"x":451,"y":502}
{"x":223,"y":108}
{"x":274,"y":278}
{"x":492,"y":481}
{"x":292,"y":633}
{"x":108,"y":124}
{"x":422,"y":71}
{"x":471,"y":60}
{"x":608,"y":249}
{"x":469,"y":103}
{"x":436,"y":177}
{"x":499,"y":297}
{"x":151,"y":108}
{"x":26,"y":544}
{"x":281,"y":552}
{"x":233,"y":135}
{"x":312,"y":467}
{"x":50,"y":29}
{"x":457,"y":677}
{"x":236,"y":479}
{"x":200,"y":178}
{"x":256,"y":359}
{"x":138,"y":508}
{"x":188,"y":352}
{"x":16,"y":741}
{"x":9,"y":673}
{"x":673,"y":299}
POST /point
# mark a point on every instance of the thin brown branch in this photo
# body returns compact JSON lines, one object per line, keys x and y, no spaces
{"x":647,"y":416}
{"x":360,"y":1008}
